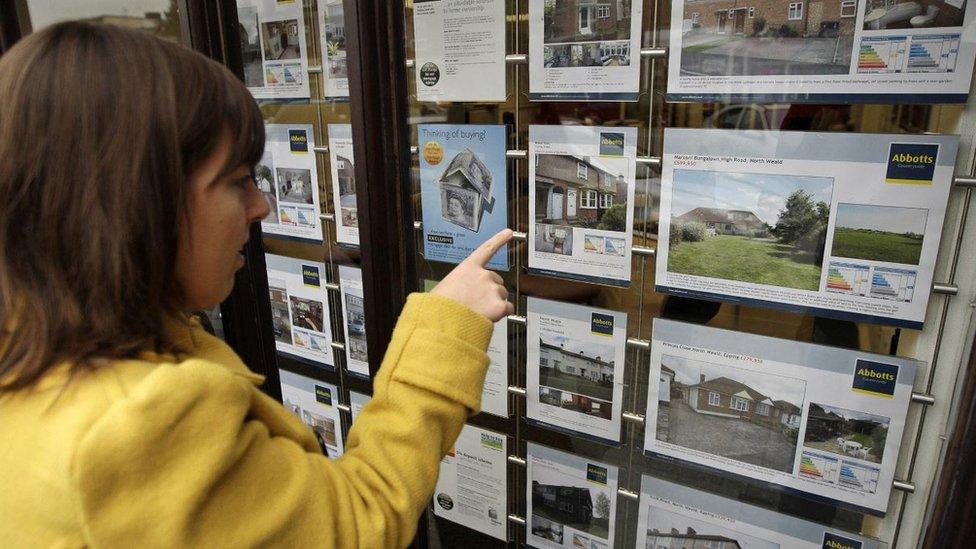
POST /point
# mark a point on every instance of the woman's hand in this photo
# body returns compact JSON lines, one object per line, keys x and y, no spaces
{"x":474,"y":286}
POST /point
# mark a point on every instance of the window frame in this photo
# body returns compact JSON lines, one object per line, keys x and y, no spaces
{"x":588,"y":199}
{"x":798,"y":6}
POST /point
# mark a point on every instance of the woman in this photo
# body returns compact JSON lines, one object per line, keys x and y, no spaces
{"x":128,"y":191}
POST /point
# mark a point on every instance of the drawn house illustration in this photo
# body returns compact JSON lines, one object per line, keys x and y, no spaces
{"x":726,"y":397}
{"x":732,"y":222}
{"x":573,"y":504}
{"x":824,"y":18}
{"x":675,"y":539}
{"x":572,"y":190}
{"x":466,"y":188}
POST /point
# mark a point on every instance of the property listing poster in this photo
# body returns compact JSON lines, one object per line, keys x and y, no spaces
{"x":460,"y":50}
{"x":581,"y":201}
{"x":356,"y":403}
{"x":332,"y":36}
{"x":584,"y":51}
{"x":342,"y":163}
{"x":672,"y":515}
{"x":831,"y":224}
{"x":571,"y":501}
{"x":354,"y":319}
{"x":300,"y":310}
{"x":575,"y":368}
{"x":494,"y":396}
{"x":823,"y":421}
{"x":866,"y":51}
{"x":288,"y":179}
{"x":463,"y":190}
{"x":273,"y":48}
{"x":314,"y":402}
{"x":472,"y":489}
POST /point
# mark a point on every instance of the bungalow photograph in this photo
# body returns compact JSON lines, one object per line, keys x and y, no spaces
{"x":767,"y":229}
{"x":739,"y":414}
{"x":586,"y":33}
{"x":768,"y":37}
{"x":668,"y":530}
{"x":844,"y":432}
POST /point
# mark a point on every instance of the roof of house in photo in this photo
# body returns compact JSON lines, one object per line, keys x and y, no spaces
{"x":730,"y":387}
{"x":473,"y":169}
{"x":787,"y":406}
{"x":666,"y":369}
{"x":581,"y":350}
{"x":721,"y":215}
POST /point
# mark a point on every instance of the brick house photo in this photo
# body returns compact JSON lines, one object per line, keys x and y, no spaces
{"x":346,"y":182}
{"x":766,"y":37}
{"x":586,"y":20}
{"x":562,"y":500}
{"x":575,"y":190}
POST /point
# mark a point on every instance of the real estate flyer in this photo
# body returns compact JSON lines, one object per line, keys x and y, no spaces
{"x":273,"y":48}
{"x":831,"y":224}
{"x":459,"y":50}
{"x":354,"y":316}
{"x":342,"y":164}
{"x":463,"y":190}
{"x":581,"y":202}
{"x":843,"y":51}
{"x":672,"y":515}
{"x":571,"y":501}
{"x":494,"y":396}
{"x":472,"y":489}
{"x":356,"y":403}
{"x":288,"y":178}
{"x":332,"y":36}
{"x":584,"y":51}
{"x":314,"y":402}
{"x":823,"y":421}
{"x":575,"y":368}
{"x":300,"y":310}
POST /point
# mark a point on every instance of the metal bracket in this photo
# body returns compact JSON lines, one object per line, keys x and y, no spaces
{"x":338,"y":345}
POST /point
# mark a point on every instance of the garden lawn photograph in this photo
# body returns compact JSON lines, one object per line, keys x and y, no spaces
{"x":846,"y":432}
{"x":879,"y":233}
{"x":760,"y":228}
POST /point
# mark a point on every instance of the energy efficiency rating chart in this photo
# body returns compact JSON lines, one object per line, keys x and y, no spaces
{"x":933,"y":53}
{"x":881,"y":54}
{"x":848,"y":278}
{"x":896,"y":284}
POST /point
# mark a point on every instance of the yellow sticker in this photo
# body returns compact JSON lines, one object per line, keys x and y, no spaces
{"x":433,"y":153}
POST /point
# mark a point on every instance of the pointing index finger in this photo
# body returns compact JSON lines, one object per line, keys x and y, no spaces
{"x":483,"y":254}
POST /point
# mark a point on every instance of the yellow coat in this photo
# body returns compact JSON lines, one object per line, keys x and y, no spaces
{"x":187,"y":452}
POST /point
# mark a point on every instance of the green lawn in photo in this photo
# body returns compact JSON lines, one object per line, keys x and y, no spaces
{"x":597,"y":527}
{"x":756,"y":260}
{"x":876,"y":246}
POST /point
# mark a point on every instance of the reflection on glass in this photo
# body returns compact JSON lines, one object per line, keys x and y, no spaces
{"x":159,"y":17}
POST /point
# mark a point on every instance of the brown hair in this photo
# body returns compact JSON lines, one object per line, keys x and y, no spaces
{"x":100,"y":128}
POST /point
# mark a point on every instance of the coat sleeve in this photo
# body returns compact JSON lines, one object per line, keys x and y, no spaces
{"x":183,"y":461}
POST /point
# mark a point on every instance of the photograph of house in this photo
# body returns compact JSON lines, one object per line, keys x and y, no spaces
{"x":281,"y":40}
{"x":334,"y":30}
{"x":913,"y":14}
{"x":730,"y":412}
{"x":307,"y":314}
{"x":294,"y":185}
{"x":586,"y":33}
{"x":563,"y":502}
{"x":576,"y":403}
{"x":547,"y":529}
{"x":767,"y":37}
{"x":346,"y":182}
{"x":581,"y":366}
{"x":765,"y":229}
{"x":465,"y":190}
{"x":846,"y":432}
{"x":324,"y":429}
{"x":668,"y":530}
{"x":280,"y":320}
{"x":355,"y":327}
{"x":247,"y":17}
{"x":580,"y":191}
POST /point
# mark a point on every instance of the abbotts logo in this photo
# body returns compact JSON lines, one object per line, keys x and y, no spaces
{"x":323,"y":395}
{"x":912,"y":163}
{"x":310,"y":276}
{"x":489,"y":440}
{"x":601,"y":324}
{"x":298,"y":140}
{"x":596,"y":473}
{"x":875,"y":378}
{"x":611,"y":144}
{"x":833,"y":541}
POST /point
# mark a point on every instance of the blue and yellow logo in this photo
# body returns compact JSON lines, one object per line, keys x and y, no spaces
{"x":310,"y":276}
{"x":875,"y":378}
{"x":595,"y":473}
{"x":298,"y":140}
{"x":911,"y":163}
{"x":601,"y":324}
{"x":611,"y":144}
{"x":323,"y":395}
{"x":833,"y":541}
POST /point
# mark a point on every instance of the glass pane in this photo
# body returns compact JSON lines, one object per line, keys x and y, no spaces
{"x":160,"y":17}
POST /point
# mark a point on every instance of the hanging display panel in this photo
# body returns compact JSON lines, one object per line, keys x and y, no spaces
{"x":472,"y":488}
{"x":314,"y":402}
{"x":831,"y":224}
{"x":581,"y":202}
{"x":574,"y":368}
{"x":300,"y":310}
{"x":823,"y":421}
{"x":845,"y":51}
{"x":571,"y":501}
{"x":354,"y":320}
{"x":332,"y":37}
{"x":273,"y":48}
{"x":288,"y":178}
{"x":460,"y":50}
{"x":356,"y":403}
{"x":672,"y":515}
{"x":584,"y":51}
{"x":342,"y":162}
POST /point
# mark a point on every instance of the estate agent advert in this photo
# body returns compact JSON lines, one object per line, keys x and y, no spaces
{"x":314,"y":402}
{"x":300,"y":310}
{"x":288,"y":178}
{"x":472,"y":486}
{"x":332,"y":36}
{"x":823,"y":421}
{"x":571,"y":501}
{"x":672,"y":515}
{"x":460,"y":50}
{"x":574,"y":368}
{"x":356,"y":403}
{"x":354,"y":316}
{"x":341,"y":162}
{"x":273,"y":48}
{"x":582,"y":202}
{"x":463,"y":190}
{"x":845,"y":51}
{"x":830,"y":224}
{"x":584,"y":51}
